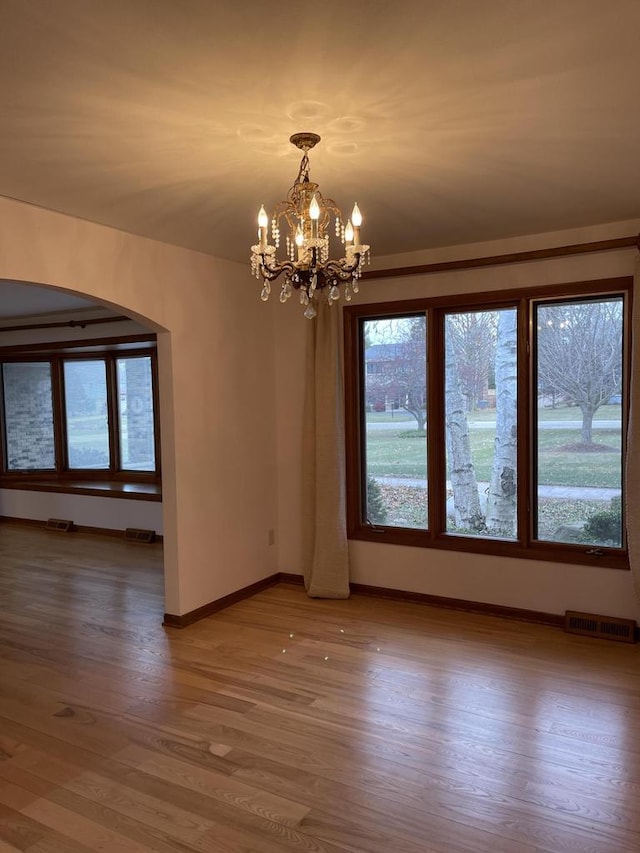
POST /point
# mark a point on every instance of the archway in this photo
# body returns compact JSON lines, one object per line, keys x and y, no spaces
{"x":37,"y":314}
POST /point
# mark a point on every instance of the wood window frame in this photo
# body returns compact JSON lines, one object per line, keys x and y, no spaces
{"x":435,"y":309}
{"x":56,"y":353}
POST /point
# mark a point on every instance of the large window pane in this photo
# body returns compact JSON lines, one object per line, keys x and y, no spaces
{"x":85,"y":387}
{"x":579,"y":421}
{"x":28,"y":410}
{"x":135,"y":413}
{"x":395,"y":414}
{"x":481,"y":422}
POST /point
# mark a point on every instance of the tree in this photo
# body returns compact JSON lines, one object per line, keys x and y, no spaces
{"x":473,"y":338}
{"x":579,"y":352}
{"x":501,"y":501}
{"x":400,"y":373}
{"x":495,"y":333}
{"x":466,"y":501}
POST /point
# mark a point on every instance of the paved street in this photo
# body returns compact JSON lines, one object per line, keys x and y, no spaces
{"x":405,"y":425}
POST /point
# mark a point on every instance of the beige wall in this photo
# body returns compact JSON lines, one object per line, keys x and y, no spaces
{"x":214,"y":337}
{"x":83,"y":510}
{"x":525,"y":584}
{"x":231,"y":460}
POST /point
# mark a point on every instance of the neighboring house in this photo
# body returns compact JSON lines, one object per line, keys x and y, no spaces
{"x":387,"y":383}
{"x":383,"y":363}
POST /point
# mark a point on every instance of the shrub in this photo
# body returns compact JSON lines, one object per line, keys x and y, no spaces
{"x":605,"y":527}
{"x":376,"y":510}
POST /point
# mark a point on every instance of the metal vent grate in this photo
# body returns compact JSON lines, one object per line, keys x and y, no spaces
{"x":607,"y":627}
{"x":134,"y":534}
{"x":61,"y":524}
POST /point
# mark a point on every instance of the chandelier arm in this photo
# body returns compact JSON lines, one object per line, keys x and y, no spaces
{"x":271,"y":273}
{"x":340,"y":270}
{"x":330,"y":205}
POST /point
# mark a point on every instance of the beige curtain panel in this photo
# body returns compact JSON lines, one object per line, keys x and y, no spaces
{"x":632,"y":462}
{"x":326,"y":555}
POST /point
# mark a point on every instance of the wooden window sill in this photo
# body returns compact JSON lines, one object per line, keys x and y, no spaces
{"x":129,"y":490}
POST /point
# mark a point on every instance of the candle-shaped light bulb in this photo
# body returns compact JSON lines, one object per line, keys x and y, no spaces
{"x":348,"y":233}
{"x":263,"y":221}
{"x":314,"y":215}
{"x":356,"y":218}
{"x":314,"y":209}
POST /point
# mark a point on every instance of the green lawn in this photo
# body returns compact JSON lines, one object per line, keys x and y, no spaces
{"x":403,"y":454}
{"x":396,"y":454}
{"x":389,"y":417}
{"x":559,"y":467}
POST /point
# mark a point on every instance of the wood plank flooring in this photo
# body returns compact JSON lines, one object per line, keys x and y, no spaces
{"x":287,"y":724}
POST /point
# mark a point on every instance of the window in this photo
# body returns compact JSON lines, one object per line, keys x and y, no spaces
{"x":395,"y":450}
{"x":28,"y":411}
{"x":86,"y":416}
{"x":80,"y":414}
{"x":492,"y":423}
{"x":135,"y":409}
{"x":481,"y":422}
{"x":578,"y":424}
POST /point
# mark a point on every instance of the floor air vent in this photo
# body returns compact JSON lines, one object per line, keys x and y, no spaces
{"x":133,"y":534}
{"x":63,"y":525}
{"x":605,"y":627}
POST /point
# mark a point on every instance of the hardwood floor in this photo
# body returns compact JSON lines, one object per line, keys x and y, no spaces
{"x":286,"y":724}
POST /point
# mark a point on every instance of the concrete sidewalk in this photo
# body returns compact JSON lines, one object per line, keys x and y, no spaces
{"x":585,"y":493}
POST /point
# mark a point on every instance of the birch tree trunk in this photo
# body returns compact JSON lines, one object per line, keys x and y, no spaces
{"x":501,"y":503}
{"x":466,"y":502}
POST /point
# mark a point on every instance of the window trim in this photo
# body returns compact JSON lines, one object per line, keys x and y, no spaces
{"x":109,"y":350}
{"x":435,"y":307}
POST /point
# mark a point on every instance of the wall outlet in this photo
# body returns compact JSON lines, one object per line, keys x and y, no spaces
{"x":271,"y":536}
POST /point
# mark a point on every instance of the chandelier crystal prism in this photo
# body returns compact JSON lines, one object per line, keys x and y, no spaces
{"x":309,"y":217}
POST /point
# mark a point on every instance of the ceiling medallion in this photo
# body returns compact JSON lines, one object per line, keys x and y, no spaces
{"x":308,"y":267}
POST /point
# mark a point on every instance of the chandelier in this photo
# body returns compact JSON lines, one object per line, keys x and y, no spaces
{"x":308,"y":267}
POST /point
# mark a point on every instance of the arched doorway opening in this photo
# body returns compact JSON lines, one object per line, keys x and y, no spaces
{"x":36,"y":318}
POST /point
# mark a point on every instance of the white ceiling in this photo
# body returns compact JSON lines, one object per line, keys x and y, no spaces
{"x":31,"y":300}
{"x":448,"y":121}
